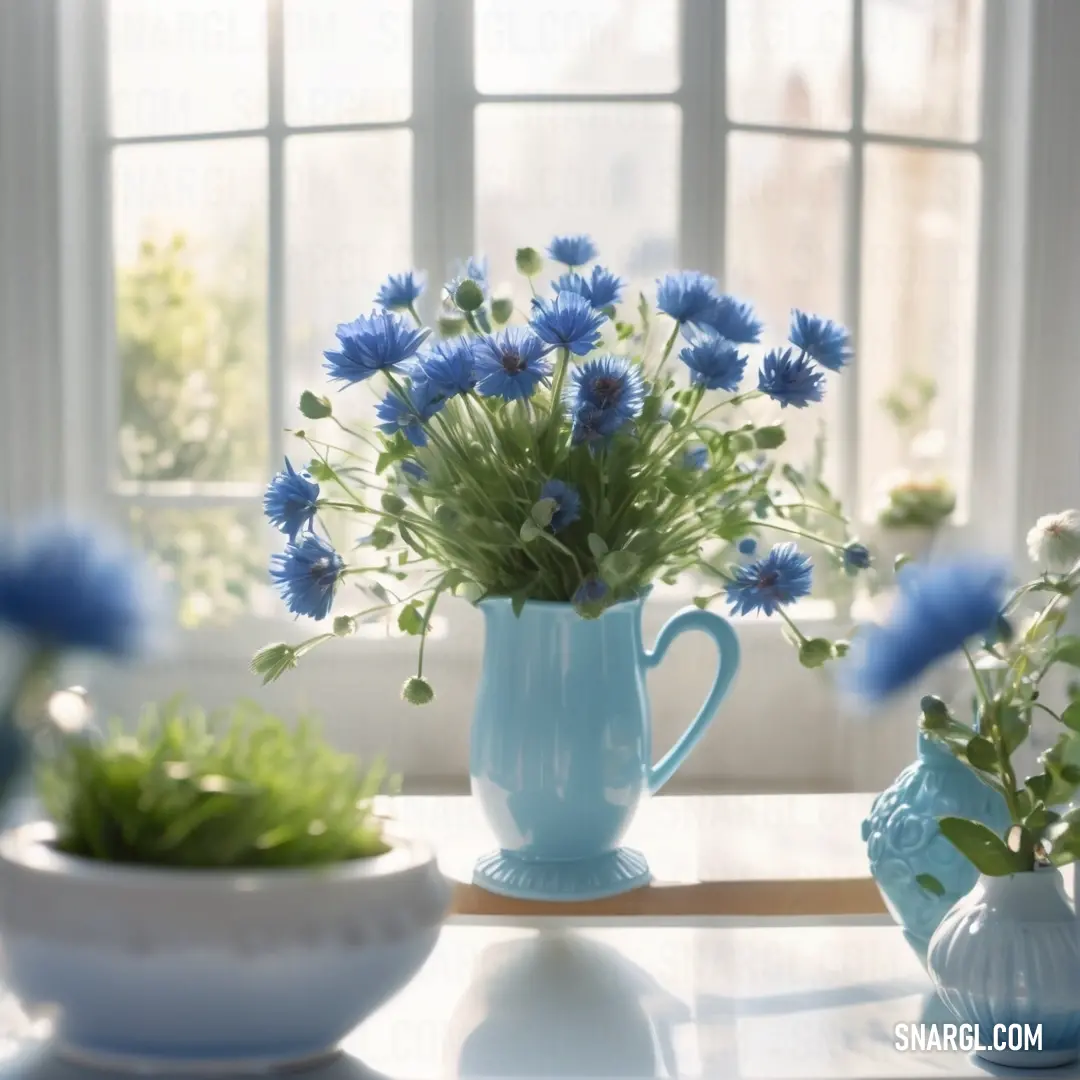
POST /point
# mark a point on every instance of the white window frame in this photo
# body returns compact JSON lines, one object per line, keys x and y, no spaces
{"x":48,"y":421}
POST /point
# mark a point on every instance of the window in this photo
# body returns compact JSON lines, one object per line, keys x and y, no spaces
{"x":266,"y":162}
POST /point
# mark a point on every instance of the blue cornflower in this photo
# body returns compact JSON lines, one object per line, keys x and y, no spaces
{"x":591,"y":591}
{"x":510,"y":364}
{"x":378,"y":342}
{"x":733,"y":319}
{"x":747,"y":546}
{"x":590,"y":425}
{"x":609,"y":390}
{"x":602,"y":290}
{"x":399,"y":291}
{"x":605,"y":288}
{"x":64,"y":588}
{"x":569,"y":321}
{"x":409,"y":413}
{"x":779,"y":579}
{"x":827,"y":342}
{"x":696,"y":457}
{"x":714,"y":362}
{"x":307,"y":574}
{"x":572,"y":250}
{"x":938,"y":608}
{"x":449,"y":367}
{"x":687,"y":296}
{"x":790,"y":381}
{"x":567,"y":504}
{"x":291,"y":501}
{"x":414,"y":470}
{"x":856,"y":557}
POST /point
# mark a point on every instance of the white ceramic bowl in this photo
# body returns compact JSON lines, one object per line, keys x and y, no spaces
{"x":212,"y":970}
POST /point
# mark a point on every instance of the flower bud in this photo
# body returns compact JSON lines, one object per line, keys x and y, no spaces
{"x":417,"y":691}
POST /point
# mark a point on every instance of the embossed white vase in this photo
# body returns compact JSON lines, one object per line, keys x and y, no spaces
{"x":1008,"y":955}
{"x":211,"y":970}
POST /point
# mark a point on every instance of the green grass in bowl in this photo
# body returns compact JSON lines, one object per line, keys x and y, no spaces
{"x":236,"y":789}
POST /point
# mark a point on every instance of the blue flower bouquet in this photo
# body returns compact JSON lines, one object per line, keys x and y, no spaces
{"x":572,"y":453}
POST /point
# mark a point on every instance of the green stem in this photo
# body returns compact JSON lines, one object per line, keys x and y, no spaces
{"x":787,"y":618}
{"x":1046,"y":709}
{"x":799,"y":532}
{"x":672,"y":338}
{"x":560,"y":375}
{"x":810,"y":506}
{"x":563,"y":548}
{"x":980,"y":687}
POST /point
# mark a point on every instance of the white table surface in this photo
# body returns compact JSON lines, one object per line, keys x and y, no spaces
{"x":708,"y":1000}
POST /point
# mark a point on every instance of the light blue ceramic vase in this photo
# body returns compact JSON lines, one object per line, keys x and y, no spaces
{"x":1008,"y":955}
{"x":562,"y":743}
{"x":903,"y":839}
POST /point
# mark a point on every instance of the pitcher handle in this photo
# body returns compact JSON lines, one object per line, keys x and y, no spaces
{"x":719,"y":629}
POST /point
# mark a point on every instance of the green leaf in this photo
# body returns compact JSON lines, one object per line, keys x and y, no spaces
{"x":344,"y":625}
{"x":381,"y":538}
{"x":501,"y":310}
{"x":391,"y":503}
{"x":617,"y":567}
{"x":769,"y":438}
{"x":1014,"y":727}
{"x":983,"y":848}
{"x":1039,"y":818}
{"x":981,"y":754}
{"x":410,"y":621}
{"x":930,"y":884}
{"x":529,"y":531}
{"x":320,"y":471}
{"x":624,"y":330}
{"x":644,"y":311}
{"x":528,"y":261}
{"x":741,"y":443}
{"x":1067,"y":650}
{"x":1070,"y":717}
{"x":315,"y":408}
{"x":543,"y":511}
{"x":597,"y":546}
{"x":1039,"y":785}
{"x":677,"y":418}
{"x":272,"y":661}
{"x":397,"y":449}
{"x":815,"y":653}
{"x":701,"y":602}
{"x":518,"y":602}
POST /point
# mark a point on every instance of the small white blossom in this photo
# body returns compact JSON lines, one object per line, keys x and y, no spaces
{"x":1055,"y":539}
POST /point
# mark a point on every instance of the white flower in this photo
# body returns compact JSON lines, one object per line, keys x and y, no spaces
{"x":1055,"y":539}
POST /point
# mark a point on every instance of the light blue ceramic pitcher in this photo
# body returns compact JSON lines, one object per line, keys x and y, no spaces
{"x":562,"y":743}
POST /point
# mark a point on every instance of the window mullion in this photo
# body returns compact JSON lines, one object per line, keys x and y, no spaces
{"x":455,"y":102}
{"x":702,"y":185}
{"x":848,"y":387}
{"x":427,"y":212}
{"x":276,"y":299}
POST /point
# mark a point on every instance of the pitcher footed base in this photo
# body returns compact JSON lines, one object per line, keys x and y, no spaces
{"x":609,"y":874}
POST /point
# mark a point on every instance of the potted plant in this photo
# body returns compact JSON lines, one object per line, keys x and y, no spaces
{"x":916,"y":500}
{"x":1007,"y":952}
{"x":214,"y":893}
{"x":551,"y":466}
